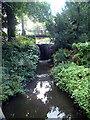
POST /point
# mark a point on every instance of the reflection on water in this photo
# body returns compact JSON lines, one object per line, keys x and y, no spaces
{"x":42,"y":100}
{"x":27,"y":114}
{"x":12,"y":115}
{"x":55,"y":113}
{"x":41,"y":89}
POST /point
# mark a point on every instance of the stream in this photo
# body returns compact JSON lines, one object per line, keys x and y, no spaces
{"x":42,"y":100}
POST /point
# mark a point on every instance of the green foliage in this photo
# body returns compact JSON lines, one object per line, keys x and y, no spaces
{"x":19,"y":61}
{"x":71,"y":25}
{"x":74,"y":80}
{"x":8,"y":17}
{"x":61,"y":55}
{"x":36,"y":11}
{"x":80,"y":54}
{"x":50,"y":27}
{"x":11,"y":84}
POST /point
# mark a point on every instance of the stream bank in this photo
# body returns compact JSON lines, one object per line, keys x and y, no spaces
{"x":42,"y":100}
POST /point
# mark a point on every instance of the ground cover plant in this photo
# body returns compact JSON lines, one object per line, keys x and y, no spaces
{"x":19,"y":63}
{"x":72,"y":75}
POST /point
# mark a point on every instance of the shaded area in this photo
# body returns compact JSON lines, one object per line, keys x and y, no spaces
{"x":42,"y":100}
{"x":46,"y":51}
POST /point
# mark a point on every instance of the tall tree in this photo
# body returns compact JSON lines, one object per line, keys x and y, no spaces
{"x":37,"y":11}
{"x":11,"y":21}
{"x":23,"y":26}
{"x":71,"y":25}
{"x":9,"y":12}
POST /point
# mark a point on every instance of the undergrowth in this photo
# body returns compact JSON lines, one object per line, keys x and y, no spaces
{"x":72,"y":72}
{"x":19,"y":63}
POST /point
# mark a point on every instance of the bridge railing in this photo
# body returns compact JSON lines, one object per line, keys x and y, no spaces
{"x":39,"y":36}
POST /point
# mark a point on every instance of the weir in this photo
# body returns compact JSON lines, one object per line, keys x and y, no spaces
{"x":46,"y":51}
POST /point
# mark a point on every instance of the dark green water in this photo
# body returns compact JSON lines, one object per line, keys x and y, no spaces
{"x":43,"y":100}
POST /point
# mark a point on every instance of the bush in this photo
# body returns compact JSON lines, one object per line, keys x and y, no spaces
{"x":71,"y":25}
{"x":80,"y":54}
{"x":19,"y":61}
{"x":74,"y":80}
{"x":10,"y":84}
{"x":61,"y":55}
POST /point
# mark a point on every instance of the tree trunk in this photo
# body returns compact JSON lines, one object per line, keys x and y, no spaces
{"x":23,"y":27}
{"x":11,"y":22}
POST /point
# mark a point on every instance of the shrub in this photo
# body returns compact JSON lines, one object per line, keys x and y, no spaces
{"x":10,"y":85}
{"x":19,"y":60}
{"x":80,"y":54}
{"x":74,"y":80}
{"x":71,"y":25}
{"x":61,"y":55}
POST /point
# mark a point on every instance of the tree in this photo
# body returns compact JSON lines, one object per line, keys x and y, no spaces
{"x":9,"y":12}
{"x":23,"y":27}
{"x":37,"y":11}
{"x":10,"y":20}
{"x":71,"y":25}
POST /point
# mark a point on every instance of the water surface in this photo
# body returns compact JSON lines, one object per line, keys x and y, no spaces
{"x":42,"y":100}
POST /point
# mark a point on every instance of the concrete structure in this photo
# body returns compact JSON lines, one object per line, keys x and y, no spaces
{"x":46,"y":51}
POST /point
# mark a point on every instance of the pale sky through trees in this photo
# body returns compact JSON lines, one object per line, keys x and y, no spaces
{"x":56,"y":5}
